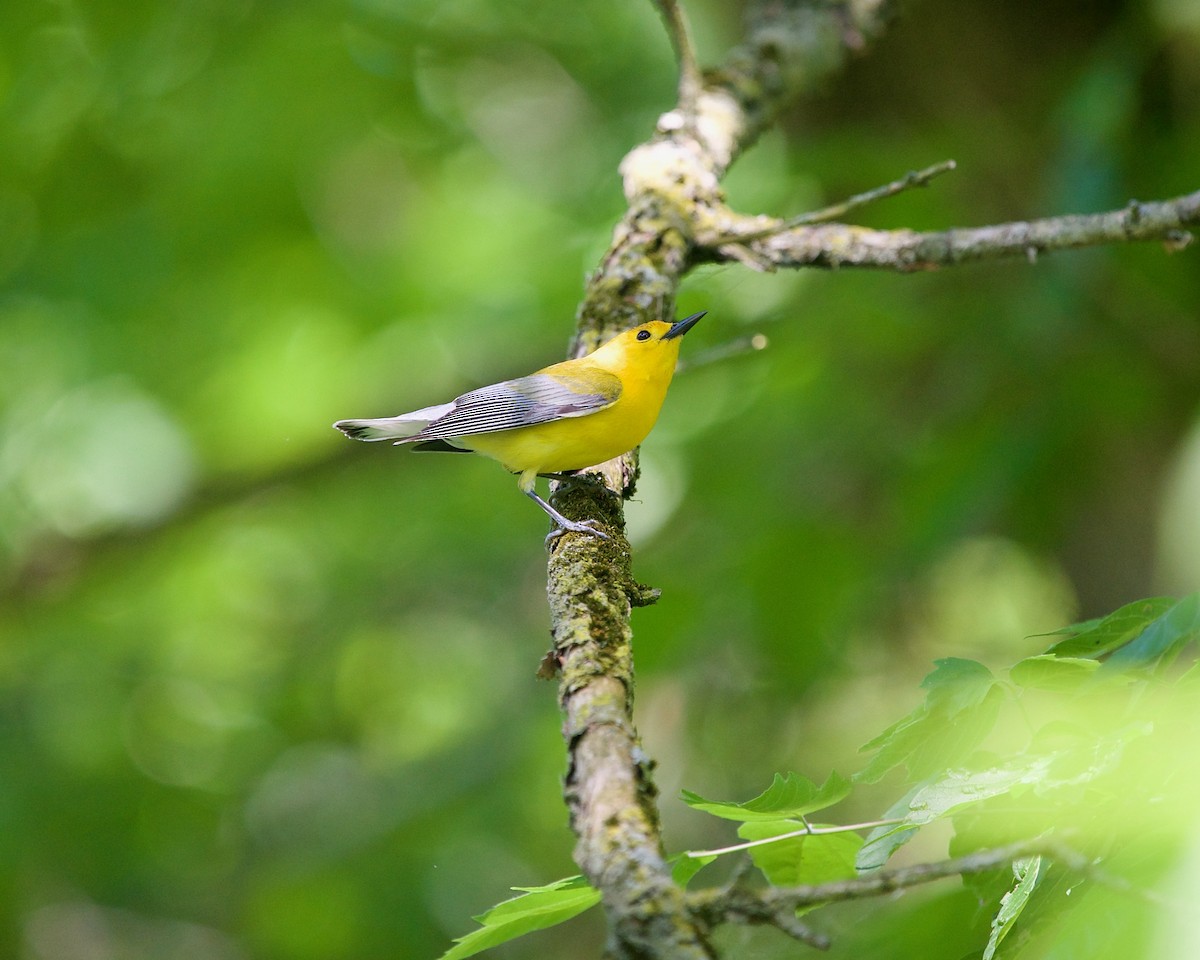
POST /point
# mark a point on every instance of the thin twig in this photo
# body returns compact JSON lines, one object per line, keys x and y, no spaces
{"x":837,"y":245}
{"x":910,"y":180}
{"x":718,"y":905}
{"x":776,"y":906}
{"x":786,"y":921}
{"x":914,"y":178}
{"x":690,"y":79}
{"x":807,"y":831}
{"x":724,"y":351}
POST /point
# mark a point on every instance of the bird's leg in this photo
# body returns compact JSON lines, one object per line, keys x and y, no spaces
{"x":564,"y":524}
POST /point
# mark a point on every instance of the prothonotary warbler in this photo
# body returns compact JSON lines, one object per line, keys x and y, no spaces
{"x":556,"y":421}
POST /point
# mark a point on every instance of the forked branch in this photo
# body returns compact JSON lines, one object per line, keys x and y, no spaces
{"x":776,"y":906}
{"x":840,"y":245}
{"x":677,"y":217}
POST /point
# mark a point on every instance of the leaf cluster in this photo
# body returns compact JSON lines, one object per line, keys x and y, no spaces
{"x":1067,"y":751}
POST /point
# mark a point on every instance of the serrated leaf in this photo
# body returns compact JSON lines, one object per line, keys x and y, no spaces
{"x":896,"y":731}
{"x":958,"y":789}
{"x":685,"y":866}
{"x":961,"y":705}
{"x":808,"y":859}
{"x":536,"y":909}
{"x":954,"y":685}
{"x":1048,"y":672}
{"x":790,"y":796}
{"x":1093,"y":638}
{"x":1026,"y":872}
{"x":957,"y":684}
{"x":1071,"y":629}
{"x":1161,"y":639}
{"x":935,"y":799}
{"x":883,"y":841}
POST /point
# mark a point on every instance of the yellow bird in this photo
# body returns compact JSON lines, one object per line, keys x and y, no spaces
{"x":556,"y":421}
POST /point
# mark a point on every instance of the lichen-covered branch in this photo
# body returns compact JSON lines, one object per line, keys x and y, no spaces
{"x":677,"y":217}
{"x":841,"y":245}
{"x":608,"y":787}
{"x":776,"y":906}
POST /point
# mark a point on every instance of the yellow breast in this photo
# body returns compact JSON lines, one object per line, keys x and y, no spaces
{"x":575,"y":442}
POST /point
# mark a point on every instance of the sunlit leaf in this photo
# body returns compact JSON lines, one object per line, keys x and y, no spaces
{"x":957,"y":684}
{"x":810,"y":859}
{"x":1026,"y":872}
{"x":1092,"y":638}
{"x":958,"y":788}
{"x":1161,"y":640}
{"x":1048,"y":672}
{"x":790,"y":796}
{"x":536,"y":909}
{"x":960,"y":708}
{"x":883,"y":841}
{"x":1038,"y":773}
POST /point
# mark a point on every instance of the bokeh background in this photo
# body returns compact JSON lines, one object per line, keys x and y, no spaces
{"x":267,"y":693}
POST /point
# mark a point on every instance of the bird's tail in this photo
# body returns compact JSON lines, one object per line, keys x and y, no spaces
{"x":399,"y":429}
{"x":385,"y":428}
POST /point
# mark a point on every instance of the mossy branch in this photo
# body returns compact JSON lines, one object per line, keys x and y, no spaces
{"x":776,"y":906}
{"x":609,"y":790}
{"x":676,"y":218}
{"x":840,"y":245}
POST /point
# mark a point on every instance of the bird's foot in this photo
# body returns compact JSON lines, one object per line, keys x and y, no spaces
{"x":574,"y":526}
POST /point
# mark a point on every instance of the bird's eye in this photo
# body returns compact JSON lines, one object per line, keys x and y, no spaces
{"x":643,"y":334}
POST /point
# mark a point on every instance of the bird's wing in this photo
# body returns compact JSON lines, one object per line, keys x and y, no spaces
{"x":400,"y":428}
{"x":523,"y":402}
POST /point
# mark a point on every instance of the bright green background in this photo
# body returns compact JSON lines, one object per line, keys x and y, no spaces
{"x":267,"y":693}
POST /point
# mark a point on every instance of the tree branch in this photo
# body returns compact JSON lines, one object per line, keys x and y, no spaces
{"x":690,"y":79}
{"x":676,"y":217}
{"x":839,"y":245}
{"x":767,"y":906}
{"x":608,"y":789}
{"x":914,"y":178}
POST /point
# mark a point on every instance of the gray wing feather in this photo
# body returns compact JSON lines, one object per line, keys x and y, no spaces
{"x":521,"y":403}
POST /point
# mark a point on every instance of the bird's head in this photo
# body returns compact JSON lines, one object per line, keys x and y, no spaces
{"x":651,"y":348}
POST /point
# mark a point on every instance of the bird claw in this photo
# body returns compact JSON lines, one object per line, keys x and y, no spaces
{"x":575,"y":526}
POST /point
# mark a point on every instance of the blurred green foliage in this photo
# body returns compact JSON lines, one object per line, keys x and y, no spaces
{"x":267,"y":693}
{"x":1070,"y":766}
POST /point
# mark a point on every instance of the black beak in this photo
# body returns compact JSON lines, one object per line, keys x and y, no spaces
{"x":683,"y":326}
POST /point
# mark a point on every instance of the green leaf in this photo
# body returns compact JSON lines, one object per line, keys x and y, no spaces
{"x":957,"y":684}
{"x":685,"y":866}
{"x":809,"y":859}
{"x":1071,"y":629}
{"x":935,"y":799}
{"x":1190,"y":676}
{"x":1094,"y":638}
{"x":790,"y":796}
{"x":536,"y":909}
{"x":1026,"y":872}
{"x":883,"y":841}
{"x":960,"y":788}
{"x":1161,"y":640}
{"x":957,"y":789}
{"x":960,"y":708}
{"x":1075,"y":766}
{"x":1048,"y":672}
